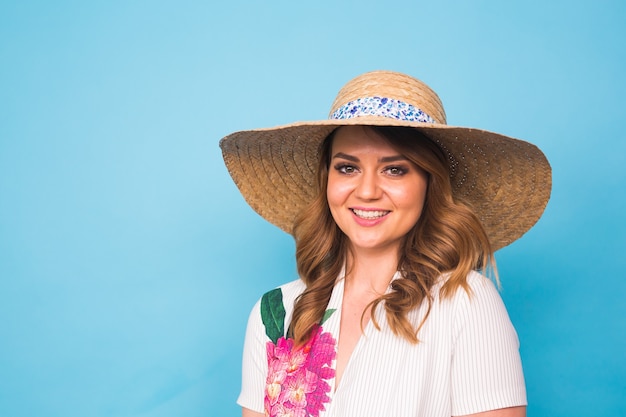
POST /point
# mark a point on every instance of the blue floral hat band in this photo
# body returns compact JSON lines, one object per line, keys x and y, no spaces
{"x":381,"y":106}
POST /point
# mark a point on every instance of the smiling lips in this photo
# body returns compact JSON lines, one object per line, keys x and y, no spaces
{"x":370,"y":214}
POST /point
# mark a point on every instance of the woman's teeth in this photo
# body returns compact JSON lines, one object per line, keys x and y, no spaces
{"x":369,"y":214}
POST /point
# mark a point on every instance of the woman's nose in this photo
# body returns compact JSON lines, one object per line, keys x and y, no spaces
{"x":368,"y":187}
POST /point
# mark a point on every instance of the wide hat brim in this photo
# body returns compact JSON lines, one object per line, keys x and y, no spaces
{"x":506,"y":181}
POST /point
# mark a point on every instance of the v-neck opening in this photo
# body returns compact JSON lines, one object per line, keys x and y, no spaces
{"x":336,"y":302}
{"x":357,"y":347}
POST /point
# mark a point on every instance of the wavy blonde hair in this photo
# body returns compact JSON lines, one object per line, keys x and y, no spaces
{"x":447,"y":238}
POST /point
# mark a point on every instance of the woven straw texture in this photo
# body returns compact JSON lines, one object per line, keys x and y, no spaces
{"x":506,"y":181}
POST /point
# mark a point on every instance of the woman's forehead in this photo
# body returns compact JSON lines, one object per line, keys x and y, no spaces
{"x":361,"y":140}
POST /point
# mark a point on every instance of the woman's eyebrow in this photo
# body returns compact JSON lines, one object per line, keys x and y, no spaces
{"x":384,"y":159}
{"x":394,"y":158}
{"x":346,"y":156}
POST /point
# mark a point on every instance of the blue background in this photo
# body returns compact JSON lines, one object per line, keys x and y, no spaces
{"x":128,"y":259}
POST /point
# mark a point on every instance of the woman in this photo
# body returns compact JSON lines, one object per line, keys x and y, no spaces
{"x":393,"y":213}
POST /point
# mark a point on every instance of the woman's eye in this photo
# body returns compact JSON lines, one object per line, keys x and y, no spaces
{"x":395,"y":171}
{"x":346,"y":169}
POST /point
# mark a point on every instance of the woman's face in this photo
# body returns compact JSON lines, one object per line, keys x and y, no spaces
{"x":374,"y":193}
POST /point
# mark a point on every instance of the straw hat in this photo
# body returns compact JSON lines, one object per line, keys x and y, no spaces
{"x":507,"y":181}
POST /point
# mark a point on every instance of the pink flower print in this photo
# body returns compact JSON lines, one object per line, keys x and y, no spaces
{"x":322,"y":352}
{"x":296,"y":383}
{"x":296,"y":361}
{"x":273,"y":386}
{"x":320,"y":359}
{"x":281,"y":350}
{"x":298,"y":387}
{"x":280,"y":410}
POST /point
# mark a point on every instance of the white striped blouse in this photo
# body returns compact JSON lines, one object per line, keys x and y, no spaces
{"x":467,"y":361}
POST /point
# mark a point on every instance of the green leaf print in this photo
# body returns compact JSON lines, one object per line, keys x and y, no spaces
{"x":273,"y":314}
{"x":327,"y":315}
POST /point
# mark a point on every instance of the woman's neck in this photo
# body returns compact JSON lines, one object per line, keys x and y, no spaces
{"x":371,"y":270}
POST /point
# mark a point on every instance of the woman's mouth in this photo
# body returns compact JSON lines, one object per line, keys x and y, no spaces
{"x":370,"y":214}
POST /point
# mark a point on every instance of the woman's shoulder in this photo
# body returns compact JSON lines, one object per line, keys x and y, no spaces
{"x":474,"y":282}
{"x":480,"y":298}
{"x":478,"y":290}
{"x":285,"y":293}
{"x":278,"y":300}
{"x":479,"y":282}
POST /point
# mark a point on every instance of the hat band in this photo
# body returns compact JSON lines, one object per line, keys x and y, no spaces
{"x":381,"y":106}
